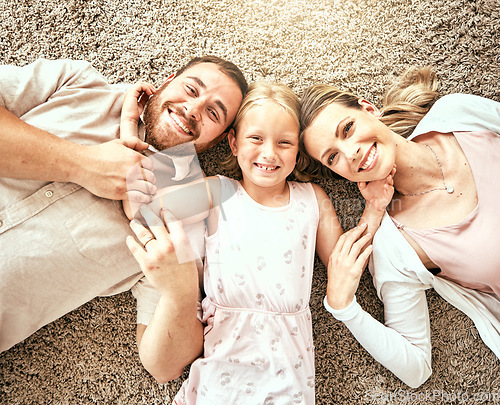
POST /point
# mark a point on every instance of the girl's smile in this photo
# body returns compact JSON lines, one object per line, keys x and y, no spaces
{"x":266,"y":146}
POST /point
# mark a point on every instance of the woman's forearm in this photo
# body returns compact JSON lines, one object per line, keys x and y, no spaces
{"x":409,"y":360}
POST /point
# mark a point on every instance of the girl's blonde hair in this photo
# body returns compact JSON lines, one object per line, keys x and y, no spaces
{"x":405,"y":104}
{"x":258,"y":93}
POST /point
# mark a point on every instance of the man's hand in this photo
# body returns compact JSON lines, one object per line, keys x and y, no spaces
{"x":135,"y":100}
{"x":112,"y":169}
{"x":164,"y":254}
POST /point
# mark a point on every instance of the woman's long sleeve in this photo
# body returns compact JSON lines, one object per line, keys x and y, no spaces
{"x":403,"y":344}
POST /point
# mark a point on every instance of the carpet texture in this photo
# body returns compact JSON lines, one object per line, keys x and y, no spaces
{"x":89,"y":356}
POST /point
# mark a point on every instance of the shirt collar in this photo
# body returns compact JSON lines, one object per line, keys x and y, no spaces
{"x":181,"y":155}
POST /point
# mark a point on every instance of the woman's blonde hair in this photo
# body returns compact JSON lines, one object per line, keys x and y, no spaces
{"x":404,"y":105}
{"x":258,"y":93}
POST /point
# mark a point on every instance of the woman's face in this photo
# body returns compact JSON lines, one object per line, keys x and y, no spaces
{"x":352,"y":142}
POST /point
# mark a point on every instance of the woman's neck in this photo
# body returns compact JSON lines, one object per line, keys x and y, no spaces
{"x":274,"y":196}
{"x":417,"y":166}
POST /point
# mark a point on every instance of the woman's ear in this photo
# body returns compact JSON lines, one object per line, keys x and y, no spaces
{"x":231,"y":138}
{"x":369,"y":107}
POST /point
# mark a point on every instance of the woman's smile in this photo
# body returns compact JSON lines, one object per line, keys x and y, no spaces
{"x":370,"y":159}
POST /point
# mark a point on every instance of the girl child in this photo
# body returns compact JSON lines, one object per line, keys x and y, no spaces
{"x":262,"y":234}
{"x":440,"y":228}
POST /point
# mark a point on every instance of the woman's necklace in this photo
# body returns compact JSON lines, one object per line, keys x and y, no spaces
{"x":448,"y":189}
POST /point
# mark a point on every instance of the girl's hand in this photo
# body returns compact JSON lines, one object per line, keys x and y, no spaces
{"x":378,"y":193}
{"x":164,"y":252}
{"x":346,"y":265}
{"x":135,"y":100}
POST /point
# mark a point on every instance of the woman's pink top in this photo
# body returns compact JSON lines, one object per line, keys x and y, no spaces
{"x":468,"y":253}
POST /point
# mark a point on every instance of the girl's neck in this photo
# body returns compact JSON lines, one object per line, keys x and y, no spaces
{"x":274,"y":196}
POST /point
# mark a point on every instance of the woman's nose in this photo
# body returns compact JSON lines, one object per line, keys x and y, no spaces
{"x":352,"y":152}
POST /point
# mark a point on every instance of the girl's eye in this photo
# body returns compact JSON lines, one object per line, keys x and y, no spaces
{"x":285,"y":142}
{"x":190,"y":90}
{"x":348,"y":127}
{"x":331,"y":158}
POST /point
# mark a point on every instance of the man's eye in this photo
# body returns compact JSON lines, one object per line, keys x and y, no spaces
{"x":213,"y":114}
{"x":331,"y":158}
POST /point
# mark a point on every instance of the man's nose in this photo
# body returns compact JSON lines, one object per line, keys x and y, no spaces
{"x":193,"y":109}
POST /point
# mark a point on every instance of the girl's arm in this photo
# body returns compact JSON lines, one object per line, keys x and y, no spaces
{"x":329,"y":228}
{"x":378,"y":194}
{"x":348,"y":260}
{"x":138,"y":192}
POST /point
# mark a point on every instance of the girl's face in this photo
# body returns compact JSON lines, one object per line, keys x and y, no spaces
{"x":266,"y":144}
{"x":352,"y":142}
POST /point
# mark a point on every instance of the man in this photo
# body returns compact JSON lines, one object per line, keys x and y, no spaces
{"x":63,"y":170}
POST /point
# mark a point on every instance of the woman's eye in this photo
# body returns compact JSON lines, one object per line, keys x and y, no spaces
{"x":190,"y":90}
{"x":331,"y":158}
{"x":348,"y":127}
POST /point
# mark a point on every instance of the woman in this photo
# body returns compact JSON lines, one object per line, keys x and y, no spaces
{"x":439,"y":229}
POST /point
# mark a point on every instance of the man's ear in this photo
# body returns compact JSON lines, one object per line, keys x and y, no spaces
{"x":369,"y":107}
{"x":217,"y":139}
{"x":231,"y":138}
{"x":168,"y":79}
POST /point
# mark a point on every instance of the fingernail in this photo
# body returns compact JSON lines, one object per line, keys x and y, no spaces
{"x":363,"y":225}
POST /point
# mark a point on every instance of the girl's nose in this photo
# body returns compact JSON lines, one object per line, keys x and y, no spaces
{"x":268,"y":150}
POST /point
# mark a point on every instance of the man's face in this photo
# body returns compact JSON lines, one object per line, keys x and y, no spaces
{"x":198,"y":105}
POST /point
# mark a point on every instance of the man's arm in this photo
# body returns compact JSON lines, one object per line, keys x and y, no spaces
{"x":30,"y":153}
{"x":174,"y":336}
{"x":67,"y":95}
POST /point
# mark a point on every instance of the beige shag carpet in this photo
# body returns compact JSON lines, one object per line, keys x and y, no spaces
{"x":89,"y":356}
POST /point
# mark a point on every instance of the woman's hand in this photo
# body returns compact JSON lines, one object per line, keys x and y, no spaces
{"x":164,"y":252}
{"x":378,"y":193}
{"x":346,"y":265}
